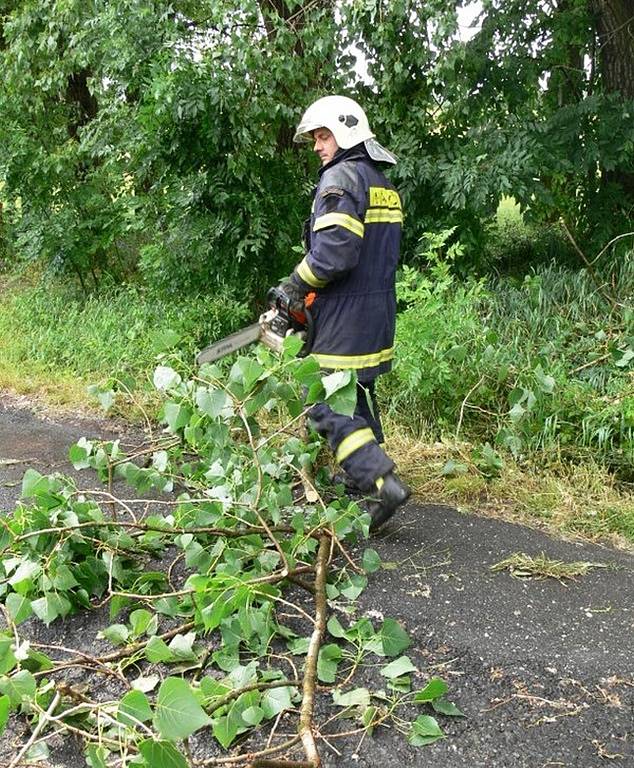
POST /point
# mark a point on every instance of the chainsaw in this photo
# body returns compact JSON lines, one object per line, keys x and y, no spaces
{"x":283,"y":318}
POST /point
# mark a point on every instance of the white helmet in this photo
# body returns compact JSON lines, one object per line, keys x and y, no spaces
{"x":348,"y":123}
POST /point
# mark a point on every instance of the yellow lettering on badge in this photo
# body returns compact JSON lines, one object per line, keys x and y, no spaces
{"x":381,"y":197}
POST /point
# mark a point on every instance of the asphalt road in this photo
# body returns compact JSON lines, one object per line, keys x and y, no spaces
{"x":543,"y":672}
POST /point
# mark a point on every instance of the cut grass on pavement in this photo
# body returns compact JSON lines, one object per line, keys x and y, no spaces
{"x":523,"y":566}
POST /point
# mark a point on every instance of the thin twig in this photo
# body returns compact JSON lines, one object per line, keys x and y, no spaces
{"x":36,"y":731}
{"x":589,"y":266}
{"x":229,"y":697}
{"x":464,"y":402}
{"x":251,"y":756}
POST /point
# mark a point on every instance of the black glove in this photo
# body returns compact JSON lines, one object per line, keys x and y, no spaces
{"x":294,"y":291}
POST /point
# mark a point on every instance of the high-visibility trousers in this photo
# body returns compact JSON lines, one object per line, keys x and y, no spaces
{"x":355,"y":440}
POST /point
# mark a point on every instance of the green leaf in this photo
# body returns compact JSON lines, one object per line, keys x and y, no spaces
{"x":368,"y":717}
{"x":306,"y":372}
{"x":394,"y":637}
{"x":292,"y":345}
{"x":434,"y":689}
{"x":157,"y":650}
{"x":37,"y":753}
{"x":454,"y":468}
{"x":18,"y":686}
{"x":117,"y":634}
{"x":96,"y":756}
{"x":335,"y":628}
{"x":145,"y":683}
{"x":246,"y":371}
{"x":19,"y":607}
{"x":133,"y":708}
{"x":182,"y":647}
{"x":105,"y":397}
{"x":212,"y":402}
{"x":341,"y":391}
{"x":333,"y":382}
{"x":354,"y":586}
{"x":299,"y":646}
{"x":253,"y":715}
{"x":33,"y":483}
{"x":398,"y":667}
{"x":276,"y":700}
{"x":176,"y":415}
{"x":371,"y":561}
{"x":178,"y":713}
{"x":225,"y":729}
{"x":49,"y":607}
{"x":78,"y":456}
{"x":327,"y":661}
{"x":143,"y":621}
{"x":63,"y":578}
{"x":165,"y":339}
{"x":424,"y":730}
{"x":445,"y":707}
{"x":401,"y":684}
{"x":161,"y":754}
{"x":5,"y":706}
{"x":546,"y":382}
{"x":166,"y":378}
{"x":355,"y":698}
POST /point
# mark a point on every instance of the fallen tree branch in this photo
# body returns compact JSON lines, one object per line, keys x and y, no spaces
{"x":116,"y":655}
{"x":310,"y":671}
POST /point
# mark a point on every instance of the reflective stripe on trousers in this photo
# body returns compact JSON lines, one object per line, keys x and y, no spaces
{"x":354,"y":441}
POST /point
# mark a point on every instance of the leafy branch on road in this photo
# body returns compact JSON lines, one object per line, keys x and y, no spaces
{"x":220,"y":592}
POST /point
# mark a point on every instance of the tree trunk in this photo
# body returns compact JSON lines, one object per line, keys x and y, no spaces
{"x":615,"y":32}
{"x":81,"y":100}
{"x":615,"y":37}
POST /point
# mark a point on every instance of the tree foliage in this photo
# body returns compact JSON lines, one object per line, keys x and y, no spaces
{"x":158,"y":136}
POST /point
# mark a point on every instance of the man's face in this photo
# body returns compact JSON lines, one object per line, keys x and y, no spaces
{"x":325,"y":144}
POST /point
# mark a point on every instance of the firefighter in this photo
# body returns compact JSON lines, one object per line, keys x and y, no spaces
{"x":352,"y":242}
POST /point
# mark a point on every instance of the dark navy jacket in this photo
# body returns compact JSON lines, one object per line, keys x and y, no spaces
{"x":353,"y":242}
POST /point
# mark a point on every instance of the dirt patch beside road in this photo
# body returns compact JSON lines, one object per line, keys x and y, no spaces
{"x":544,"y":672}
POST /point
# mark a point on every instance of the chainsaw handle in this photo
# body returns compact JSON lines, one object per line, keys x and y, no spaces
{"x":299,"y":315}
{"x":310,"y":334}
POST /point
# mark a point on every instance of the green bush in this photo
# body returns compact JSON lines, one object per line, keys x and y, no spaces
{"x":538,"y":365}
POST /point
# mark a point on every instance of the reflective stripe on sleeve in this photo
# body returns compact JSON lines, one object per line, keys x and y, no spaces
{"x":383,"y":216}
{"x":354,"y":361}
{"x":339,"y":219}
{"x":353,"y":442}
{"x":308,"y":276}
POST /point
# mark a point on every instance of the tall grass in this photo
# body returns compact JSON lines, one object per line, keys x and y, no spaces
{"x":51,"y":331}
{"x":542,"y":364}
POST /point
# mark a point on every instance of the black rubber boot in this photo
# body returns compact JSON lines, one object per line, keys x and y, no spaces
{"x":342,"y":478}
{"x":392,"y":494}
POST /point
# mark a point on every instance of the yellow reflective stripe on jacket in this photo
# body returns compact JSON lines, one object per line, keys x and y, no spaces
{"x":353,"y":442}
{"x":354,"y":361}
{"x":339,"y":219}
{"x":382,"y":197}
{"x":383,"y":216}
{"x":308,"y":276}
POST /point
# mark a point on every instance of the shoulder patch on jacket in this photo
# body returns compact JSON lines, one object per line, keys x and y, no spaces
{"x":344,"y":176}
{"x":332,"y":191}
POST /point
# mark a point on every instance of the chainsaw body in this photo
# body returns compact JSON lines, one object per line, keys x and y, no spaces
{"x":283,"y":318}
